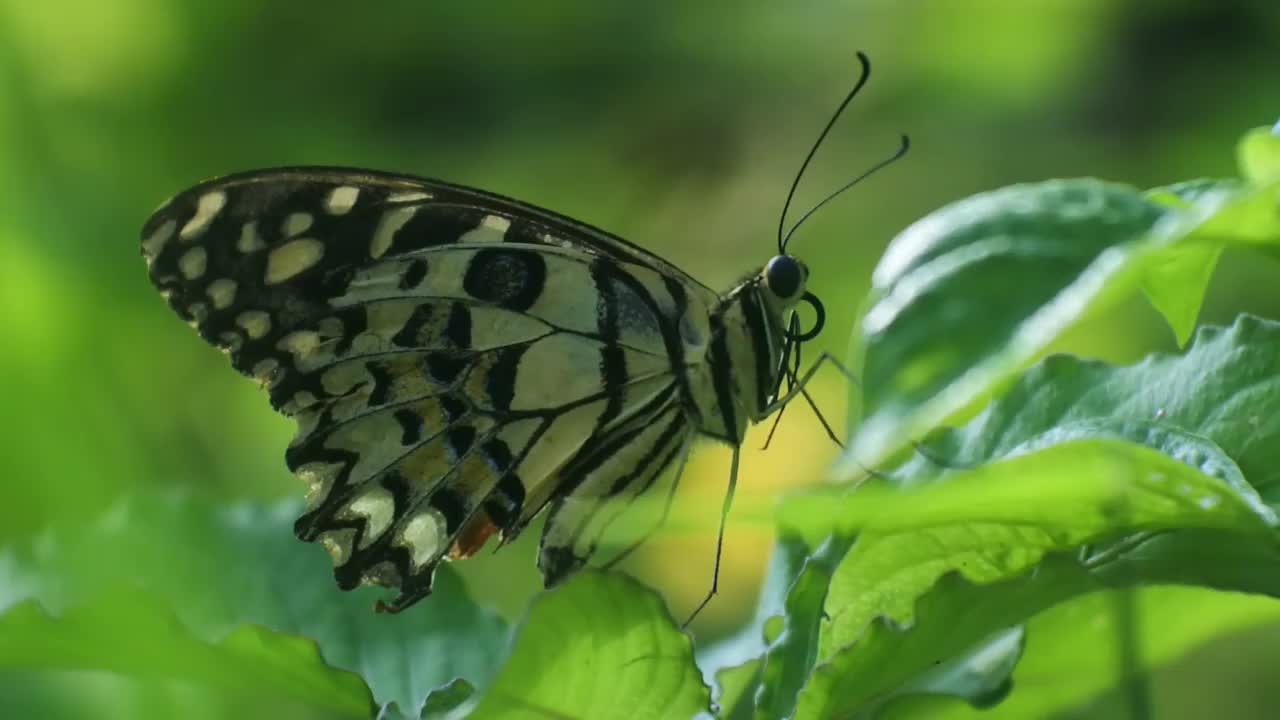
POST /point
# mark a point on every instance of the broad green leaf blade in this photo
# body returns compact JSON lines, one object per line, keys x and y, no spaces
{"x":1072,"y":492}
{"x":600,"y":646}
{"x":1224,"y":390}
{"x":132,"y":637}
{"x":1173,"y":621}
{"x":1012,"y":269}
{"x":1017,"y":267}
{"x":219,"y":569}
{"x":1075,"y":454}
{"x":954,"y":616}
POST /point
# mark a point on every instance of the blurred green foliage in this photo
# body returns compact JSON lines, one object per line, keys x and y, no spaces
{"x":677,"y":125}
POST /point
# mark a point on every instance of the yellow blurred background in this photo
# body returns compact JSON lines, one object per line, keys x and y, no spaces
{"x":676,"y":125}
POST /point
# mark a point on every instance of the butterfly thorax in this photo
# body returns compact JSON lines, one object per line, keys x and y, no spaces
{"x":744,"y":363}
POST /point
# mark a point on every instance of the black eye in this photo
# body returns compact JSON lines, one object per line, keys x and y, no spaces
{"x":784,"y":276}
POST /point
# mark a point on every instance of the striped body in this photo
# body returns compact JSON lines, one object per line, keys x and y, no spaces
{"x":457,"y":361}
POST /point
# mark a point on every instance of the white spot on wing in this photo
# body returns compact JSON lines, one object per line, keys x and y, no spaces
{"x":391,"y":222}
{"x":207,"y":207}
{"x":250,"y":240}
{"x":341,"y":200}
{"x":155,"y":242}
{"x":222,"y":292}
{"x":292,"y":258}
{"x":255,"y":322}
{"x":266,"y":370}
{"x":493,"y":228}
{"x":231,"y":341}
{"x":192,"y":263}
{"x":424,"y":536}
{"x":377,"y":507}
{"x":411,"y":196}
{"x":338,"y":544}
{"x":296,"y":224}
{"x":199,"y":312}
{"x":300,"y":342}
{"x":497,"y":222}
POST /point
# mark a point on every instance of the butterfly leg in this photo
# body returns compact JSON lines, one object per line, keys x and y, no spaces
{"x":798,"y":388}
{"x":724,"y":515}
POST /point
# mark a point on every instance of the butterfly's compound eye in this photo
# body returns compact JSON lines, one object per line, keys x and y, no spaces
{"x":785,"y":277}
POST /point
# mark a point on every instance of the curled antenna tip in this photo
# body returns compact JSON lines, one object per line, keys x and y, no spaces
{"x":786,"y":205}
{"x":903,"y":146}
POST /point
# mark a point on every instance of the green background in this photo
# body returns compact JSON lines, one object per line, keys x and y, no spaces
{"x":676,"y":125}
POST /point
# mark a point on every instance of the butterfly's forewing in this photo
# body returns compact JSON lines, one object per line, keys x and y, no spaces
{"x":455,"y":360}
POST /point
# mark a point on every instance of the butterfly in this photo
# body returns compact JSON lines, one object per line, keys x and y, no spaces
{"x":459,"y":362}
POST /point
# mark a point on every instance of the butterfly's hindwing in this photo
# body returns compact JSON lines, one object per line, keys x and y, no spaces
{"x":455,"y":360}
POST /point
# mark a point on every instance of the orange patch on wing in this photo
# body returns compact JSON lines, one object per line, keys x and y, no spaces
{"x":472,"y":537}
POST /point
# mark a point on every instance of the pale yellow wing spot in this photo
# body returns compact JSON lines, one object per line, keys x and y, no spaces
{"x":250,"y":240}
{"x":199,"y":312}
{"x":231,"y":342}
{"x":155,"y":242}
{"x":377,"y":507}
{"x":338,"y":544}
{"x":410,"y":196}
{"x":222,"y":292}
{"x":490,"y":230}
{"x":292,"y":258}
{"x":423,"y":536}
{"x":390,"y":223}
{"x":265,"y":371}
{"x":300,"y":343}
{"x":193,"y":263}
{"x":341,"y":199}
{"x":296,"y":224}
{"x":319,"y":477}
{"x":207,"y":208}
{"x":255,"y":322}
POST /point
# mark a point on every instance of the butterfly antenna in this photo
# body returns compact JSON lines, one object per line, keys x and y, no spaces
{"x":862,"y":80}
{"x":903,"y":146}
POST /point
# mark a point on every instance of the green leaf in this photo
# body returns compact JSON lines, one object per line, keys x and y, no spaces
{"x":735,"y":661}
{"x":1058,"y":249}
{"x":979,"y":676}
{"x":132,"y":637}
{"x":1171,"y":622}
{"x":1259,"y":155}
{"x":792,"y":652}
{"x":220,"y":569}
{"x":1175,"y":282}
{"x":1082,"y":476}
{"x":1220,"y":391}
{"x":1061,"y":251}
{"x":888,"y":656}
{"x":445,"y":702}
{"x":600,"y":646}
{"x":735,"y":684}
{"x":1068,"y":493}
